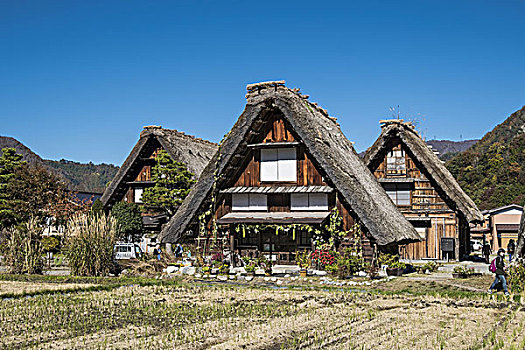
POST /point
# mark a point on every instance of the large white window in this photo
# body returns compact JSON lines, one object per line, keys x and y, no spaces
{"x":138,"y":194}
{"x":399,"y":193}
{"x":249,"y":201}
{"x":278,"y":164}
{"x":309,"y":201}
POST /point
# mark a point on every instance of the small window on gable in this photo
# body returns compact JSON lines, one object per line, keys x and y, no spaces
{"x":249,"y":201}
{"x":395,"y":162}
{"x":422,"y":232}
{"x":278,"y":164}
{"x":399,"y":193}
{"x":138,"y":194}
{"x":309,"y":201}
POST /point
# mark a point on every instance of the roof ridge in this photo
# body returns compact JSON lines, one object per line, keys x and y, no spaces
{"x":156,"y":128}
{"x":257,"y":88}
{"x":409,"y":126}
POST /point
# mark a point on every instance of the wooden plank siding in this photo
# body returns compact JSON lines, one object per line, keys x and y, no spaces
{"x":141,"y":169}
{"x":425,"y":202}
{"x":144,"y":174}
{"x":307,"y":173}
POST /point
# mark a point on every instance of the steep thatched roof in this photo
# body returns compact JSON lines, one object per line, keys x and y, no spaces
{"x":329,"y":148}
{"x":428,"y":163}
{"x":192,"y":151}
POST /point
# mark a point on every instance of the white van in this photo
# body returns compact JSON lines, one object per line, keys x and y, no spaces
{"x":127,"y":251}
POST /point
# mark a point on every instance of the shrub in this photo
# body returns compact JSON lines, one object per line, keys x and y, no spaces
{"x":323,"y":257}
{"x":463,"y":270}
{"x":516,"y":274}
{"x":389,"y":260}
{"x":303,"y":259}
{"x":430,"y":266}
{"x":348,"y":263}
{"x":22,"y":249}
{"x":89,"y":244}
{"x":50,"y":244}
{"x":397,"y":265}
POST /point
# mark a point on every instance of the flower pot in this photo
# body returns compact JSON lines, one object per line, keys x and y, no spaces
{"x":302,"y":273}
{"x":394,"y":271}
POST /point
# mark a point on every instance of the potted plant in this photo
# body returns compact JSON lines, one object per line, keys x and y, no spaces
{"x":303,"y":261}
{"x":250,"y":269}
{"x":395,"y":268}
{"x":463,"y":272}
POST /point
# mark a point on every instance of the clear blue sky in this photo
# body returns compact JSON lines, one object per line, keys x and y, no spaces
{"x":79,"y":79}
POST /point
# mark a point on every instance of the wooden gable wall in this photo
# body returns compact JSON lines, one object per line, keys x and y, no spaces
{"x":307,"y":173}
{"x":423,"y":196}
{"x":141,"y":169}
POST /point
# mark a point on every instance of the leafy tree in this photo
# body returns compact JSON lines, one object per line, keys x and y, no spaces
{"x":29,"y":191}
{"x":39,"y":193}
{"x":129,"y":219}
{"x":10,"y":162}
{"x":97,"y":208}
{"x":50,"y":244}
{"x":172,"y":184}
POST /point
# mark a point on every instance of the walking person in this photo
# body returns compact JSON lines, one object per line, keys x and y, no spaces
{"x":498,"y":267}
{"x":486,"y":252}
{"x":511,"y":247}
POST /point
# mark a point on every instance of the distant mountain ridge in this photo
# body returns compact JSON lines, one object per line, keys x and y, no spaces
{"x":448,"y":149}
{"x":492,"y":171}
{"x":78,"y":176}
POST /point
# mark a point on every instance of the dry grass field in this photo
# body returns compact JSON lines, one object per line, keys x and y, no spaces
{"x":147,"y":314}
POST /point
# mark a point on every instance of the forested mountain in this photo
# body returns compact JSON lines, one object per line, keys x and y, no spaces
{"x":79,"y":177}
{"x":84,"y":177}
{"x":492,"y":171}
{"x":28,"y":155}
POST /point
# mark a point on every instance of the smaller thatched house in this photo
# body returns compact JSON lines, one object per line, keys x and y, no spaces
{"x":284,"y":164}
{"x":424,"y":191}
{"x":135,"y":174}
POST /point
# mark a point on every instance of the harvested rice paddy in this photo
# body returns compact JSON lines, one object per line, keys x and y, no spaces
{"x":145,"y":314}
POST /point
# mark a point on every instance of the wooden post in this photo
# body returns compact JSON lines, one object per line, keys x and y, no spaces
{"x":232,"y":241}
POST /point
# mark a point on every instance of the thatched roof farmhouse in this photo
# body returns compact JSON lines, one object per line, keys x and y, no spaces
{"x":316,"y":158}
{"x":423,"y":189}
{"x":135,"y":174}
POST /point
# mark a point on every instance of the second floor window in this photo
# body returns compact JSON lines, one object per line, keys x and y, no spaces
{"x":309,"y":201}
{"x":138,"y":194}
{"x":399,"y":193}
{"x":249,"y":202}
{"x":278,"y":164}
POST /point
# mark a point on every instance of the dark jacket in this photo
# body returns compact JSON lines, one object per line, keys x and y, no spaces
{"x":511,"y":247}
{"x":500,"y":265}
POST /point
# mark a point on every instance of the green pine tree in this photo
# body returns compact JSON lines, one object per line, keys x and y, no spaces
{"x":129,"y":219}
{"x":172,"y":184}
{"x":10,"y":162}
